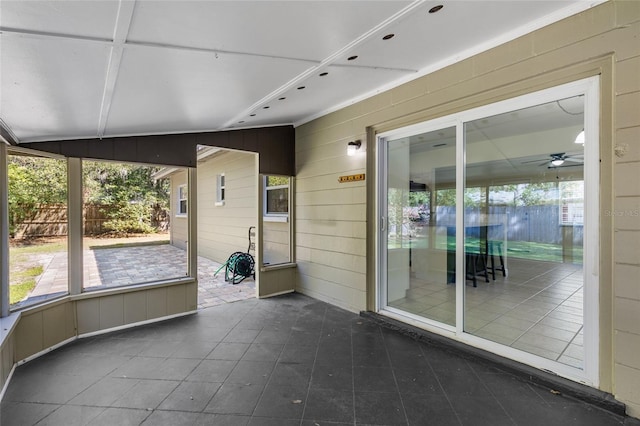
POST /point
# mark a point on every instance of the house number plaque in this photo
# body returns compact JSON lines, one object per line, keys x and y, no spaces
{"x":351,"y":178}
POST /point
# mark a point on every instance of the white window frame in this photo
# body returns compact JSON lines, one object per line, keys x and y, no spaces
{"x":180,"y":192}
{"x":588,"y":87}
{"x":275,"y":216}
{"x":220,"y":189}
{"x":571,"y":212}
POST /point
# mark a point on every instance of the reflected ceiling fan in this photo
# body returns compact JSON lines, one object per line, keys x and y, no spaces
{"x":559,"y":159}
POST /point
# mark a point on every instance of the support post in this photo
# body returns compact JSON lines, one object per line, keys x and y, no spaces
{"x":74,"y":225}
{"x":4,"y":232}
{"x":192,"y":218}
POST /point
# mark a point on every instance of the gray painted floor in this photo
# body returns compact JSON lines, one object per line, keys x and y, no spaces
{"x":289,"y":360}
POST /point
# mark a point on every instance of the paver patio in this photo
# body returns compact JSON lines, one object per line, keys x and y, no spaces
{"x":114,"y":267}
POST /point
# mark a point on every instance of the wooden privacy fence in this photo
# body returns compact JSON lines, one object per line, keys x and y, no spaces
{"x":50,"y":220}
{"x":541,"y":224}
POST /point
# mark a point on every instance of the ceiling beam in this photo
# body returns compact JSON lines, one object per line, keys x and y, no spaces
{"x":329,"y":60}
{"x":122,"y":26}
{"x":6,"y":135}
{"x":275,"y":147}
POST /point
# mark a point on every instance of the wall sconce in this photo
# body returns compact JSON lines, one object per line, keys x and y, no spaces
{"x":353,"y":147}
{"x":580,"y":138}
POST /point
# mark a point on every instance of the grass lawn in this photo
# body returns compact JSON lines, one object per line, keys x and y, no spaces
{"x":518,"y":249}
{"x":26,"y":257}
{"x":22,"y":282}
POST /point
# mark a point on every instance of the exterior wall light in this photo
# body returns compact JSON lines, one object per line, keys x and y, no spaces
{"x":353,"y":147}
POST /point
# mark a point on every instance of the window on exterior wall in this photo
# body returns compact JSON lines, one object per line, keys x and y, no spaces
{"x":182,"y":200}
{"x":38,"y":218}
{"x":220,"y":190}
{"x":276,"y":238}
{"x":276,"y":197}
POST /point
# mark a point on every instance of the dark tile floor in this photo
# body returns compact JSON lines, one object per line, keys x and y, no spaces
{"x":284,"y":361}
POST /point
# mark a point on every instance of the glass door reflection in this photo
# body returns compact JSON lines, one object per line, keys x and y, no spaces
{"x":420,"y":231}
{"x":523,"y":216}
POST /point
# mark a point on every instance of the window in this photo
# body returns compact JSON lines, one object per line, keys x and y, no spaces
{"x":220,"y":187}
{"x":182,"y":200}
{"x":276,"y":197}
{"x":276,"y":231}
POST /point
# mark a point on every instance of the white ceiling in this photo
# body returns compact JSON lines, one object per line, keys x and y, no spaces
{"x":91,"y":68}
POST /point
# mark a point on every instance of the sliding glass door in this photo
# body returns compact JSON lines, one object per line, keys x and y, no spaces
{"x":487,"y":217}
{"x":420,"y":216}
{"x":524,"y":204}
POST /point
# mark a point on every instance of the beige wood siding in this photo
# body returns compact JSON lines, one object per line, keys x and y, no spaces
{"x":330,"y":220}
{"x":275,"y":243}
{"x":6,"y":359}
{"x":331,"y":237}
{"x":178,"y":223}
{"x":223,"y":230}
{"x":43,"y":327}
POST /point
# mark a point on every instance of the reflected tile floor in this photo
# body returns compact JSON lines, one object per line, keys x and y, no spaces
{"x":289,"y":360}
{"x":537,"y":308}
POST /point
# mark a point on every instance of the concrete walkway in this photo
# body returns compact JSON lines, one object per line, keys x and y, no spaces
{"x":120,"y":266}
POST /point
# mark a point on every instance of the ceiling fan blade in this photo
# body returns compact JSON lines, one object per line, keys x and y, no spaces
{"x":574,"y":160}
{"x":562,"y":166}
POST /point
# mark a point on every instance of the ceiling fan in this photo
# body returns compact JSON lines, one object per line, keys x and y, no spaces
{"x":559,"y":159}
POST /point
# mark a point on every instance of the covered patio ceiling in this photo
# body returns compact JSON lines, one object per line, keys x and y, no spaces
{"x":91,"y":68}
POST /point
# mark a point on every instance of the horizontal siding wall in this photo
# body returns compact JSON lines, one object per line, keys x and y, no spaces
{"x":223,"y":230}
{"x":330,"y":222}
{"x":331,"y":238}
{"x":6,"y":359}
{"x":129,"y":307}
{"x":626,"y":215}
{"x":178,"y":224}
{"x":275,"y":243}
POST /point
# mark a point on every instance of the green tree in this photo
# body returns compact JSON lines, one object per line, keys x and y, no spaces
{"x":130,"y":192}
{"x":34,"y":181}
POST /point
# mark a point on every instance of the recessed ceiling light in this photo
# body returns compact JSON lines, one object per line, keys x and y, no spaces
{"x":265,"y":107}
{"x":322,"y":74}
{"x":282,"y":98}
{"x":435,"y":9}
{"x":351,"y":58}
{"x":301,"y":87}
{"x":388,"y":36}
